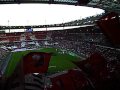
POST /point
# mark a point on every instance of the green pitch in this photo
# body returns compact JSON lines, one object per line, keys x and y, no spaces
{"x":59,"y":61}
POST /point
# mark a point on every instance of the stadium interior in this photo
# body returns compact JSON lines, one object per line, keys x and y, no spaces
{"x":86,"y":57}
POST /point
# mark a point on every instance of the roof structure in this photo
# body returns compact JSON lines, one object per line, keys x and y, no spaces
{"x":107,"y":5}
{"x":72,"y":2}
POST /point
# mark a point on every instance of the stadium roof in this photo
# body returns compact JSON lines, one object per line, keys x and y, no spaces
{"x":37,"y":15}
{"x":107,"y":5}
{"x":71,"y":2}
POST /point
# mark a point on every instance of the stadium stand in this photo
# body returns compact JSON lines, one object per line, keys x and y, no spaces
{"x":99,"y":69}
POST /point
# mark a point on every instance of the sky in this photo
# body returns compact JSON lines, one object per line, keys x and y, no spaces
{"x":42,"y":14}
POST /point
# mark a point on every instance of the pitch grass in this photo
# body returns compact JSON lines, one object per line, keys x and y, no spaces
{"x":58,"y":61}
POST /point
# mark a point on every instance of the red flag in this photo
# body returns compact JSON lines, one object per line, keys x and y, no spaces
{"x":110,"y":25}
{"x":36,"y":62}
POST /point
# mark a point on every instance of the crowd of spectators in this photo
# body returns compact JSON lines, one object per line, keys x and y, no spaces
{"x":21,"y":39}
{"x":83,"y":41}
{"x":84,"y":21}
